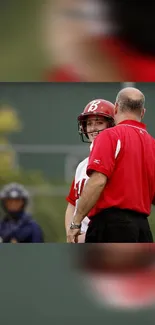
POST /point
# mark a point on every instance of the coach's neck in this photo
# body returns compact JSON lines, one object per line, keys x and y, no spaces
{"x":123,"y":117}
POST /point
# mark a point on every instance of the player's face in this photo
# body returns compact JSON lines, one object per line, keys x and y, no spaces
{"x":13,"y":205}
{"x":94,"y":125}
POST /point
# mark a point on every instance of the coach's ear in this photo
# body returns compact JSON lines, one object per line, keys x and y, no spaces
{"x":143,"y":113}
{"x":116,"y":108}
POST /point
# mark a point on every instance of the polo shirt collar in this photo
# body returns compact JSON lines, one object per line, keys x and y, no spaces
{"x":133,"y":123}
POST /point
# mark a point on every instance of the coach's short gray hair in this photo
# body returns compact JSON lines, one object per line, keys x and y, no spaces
{"x":130,"y":101}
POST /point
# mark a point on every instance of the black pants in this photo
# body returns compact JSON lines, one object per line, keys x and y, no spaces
{"x":119,"y":226}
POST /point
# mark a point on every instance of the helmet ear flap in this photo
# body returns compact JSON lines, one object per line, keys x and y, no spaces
{"x":82,"y":131}
{"x":111,"y":123}
{"x":83,"y":127}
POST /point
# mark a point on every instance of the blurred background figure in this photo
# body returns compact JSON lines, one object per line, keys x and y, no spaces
{"x":16,"y":225}
{"x":119,"y":276}
{"x":84,"y":40}
{"x":73,"y":29}
{"x":103,"y":40}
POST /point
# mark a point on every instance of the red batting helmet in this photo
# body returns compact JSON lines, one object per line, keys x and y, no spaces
{"x":97,"y":107}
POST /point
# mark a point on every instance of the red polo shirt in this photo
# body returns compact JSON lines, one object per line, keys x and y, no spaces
{"x":126,"y":155}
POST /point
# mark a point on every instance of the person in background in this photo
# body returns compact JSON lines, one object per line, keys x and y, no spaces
{"x":16,"y":225}
{"x":97,"y":41}
{"x":118,"y":275}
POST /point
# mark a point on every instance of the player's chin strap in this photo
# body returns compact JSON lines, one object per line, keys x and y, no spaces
{"x":91,"y":146}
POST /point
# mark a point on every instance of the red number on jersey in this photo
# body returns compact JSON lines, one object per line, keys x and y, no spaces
{"x":79,"y":187}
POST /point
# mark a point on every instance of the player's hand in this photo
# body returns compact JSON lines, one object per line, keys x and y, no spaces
{"x":72,"y":235}
{"x":81,"y":238}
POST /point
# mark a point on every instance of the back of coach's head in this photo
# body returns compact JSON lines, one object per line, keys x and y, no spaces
{"x":129,"y":105}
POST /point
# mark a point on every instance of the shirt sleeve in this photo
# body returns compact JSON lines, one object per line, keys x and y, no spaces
{"x":71,"y":198}
{"x":104,"y":153}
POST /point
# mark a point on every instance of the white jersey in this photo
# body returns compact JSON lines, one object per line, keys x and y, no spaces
{"x":79,"y":182}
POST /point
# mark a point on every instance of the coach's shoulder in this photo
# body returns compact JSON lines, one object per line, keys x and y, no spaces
{"x":107,"y":135}
{"x":110,"y":132}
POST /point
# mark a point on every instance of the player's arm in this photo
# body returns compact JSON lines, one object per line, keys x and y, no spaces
{"x":69,"y":218}
{"x":69,"y":215}
{"x":71,"y":199}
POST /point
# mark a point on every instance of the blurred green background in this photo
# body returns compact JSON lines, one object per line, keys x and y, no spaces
{"x":40,"y":285}
{"x":21,"y":55}
{"x":38,"y":123}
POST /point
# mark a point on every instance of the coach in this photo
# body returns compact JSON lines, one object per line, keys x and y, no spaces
{"x":121,"y":188}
